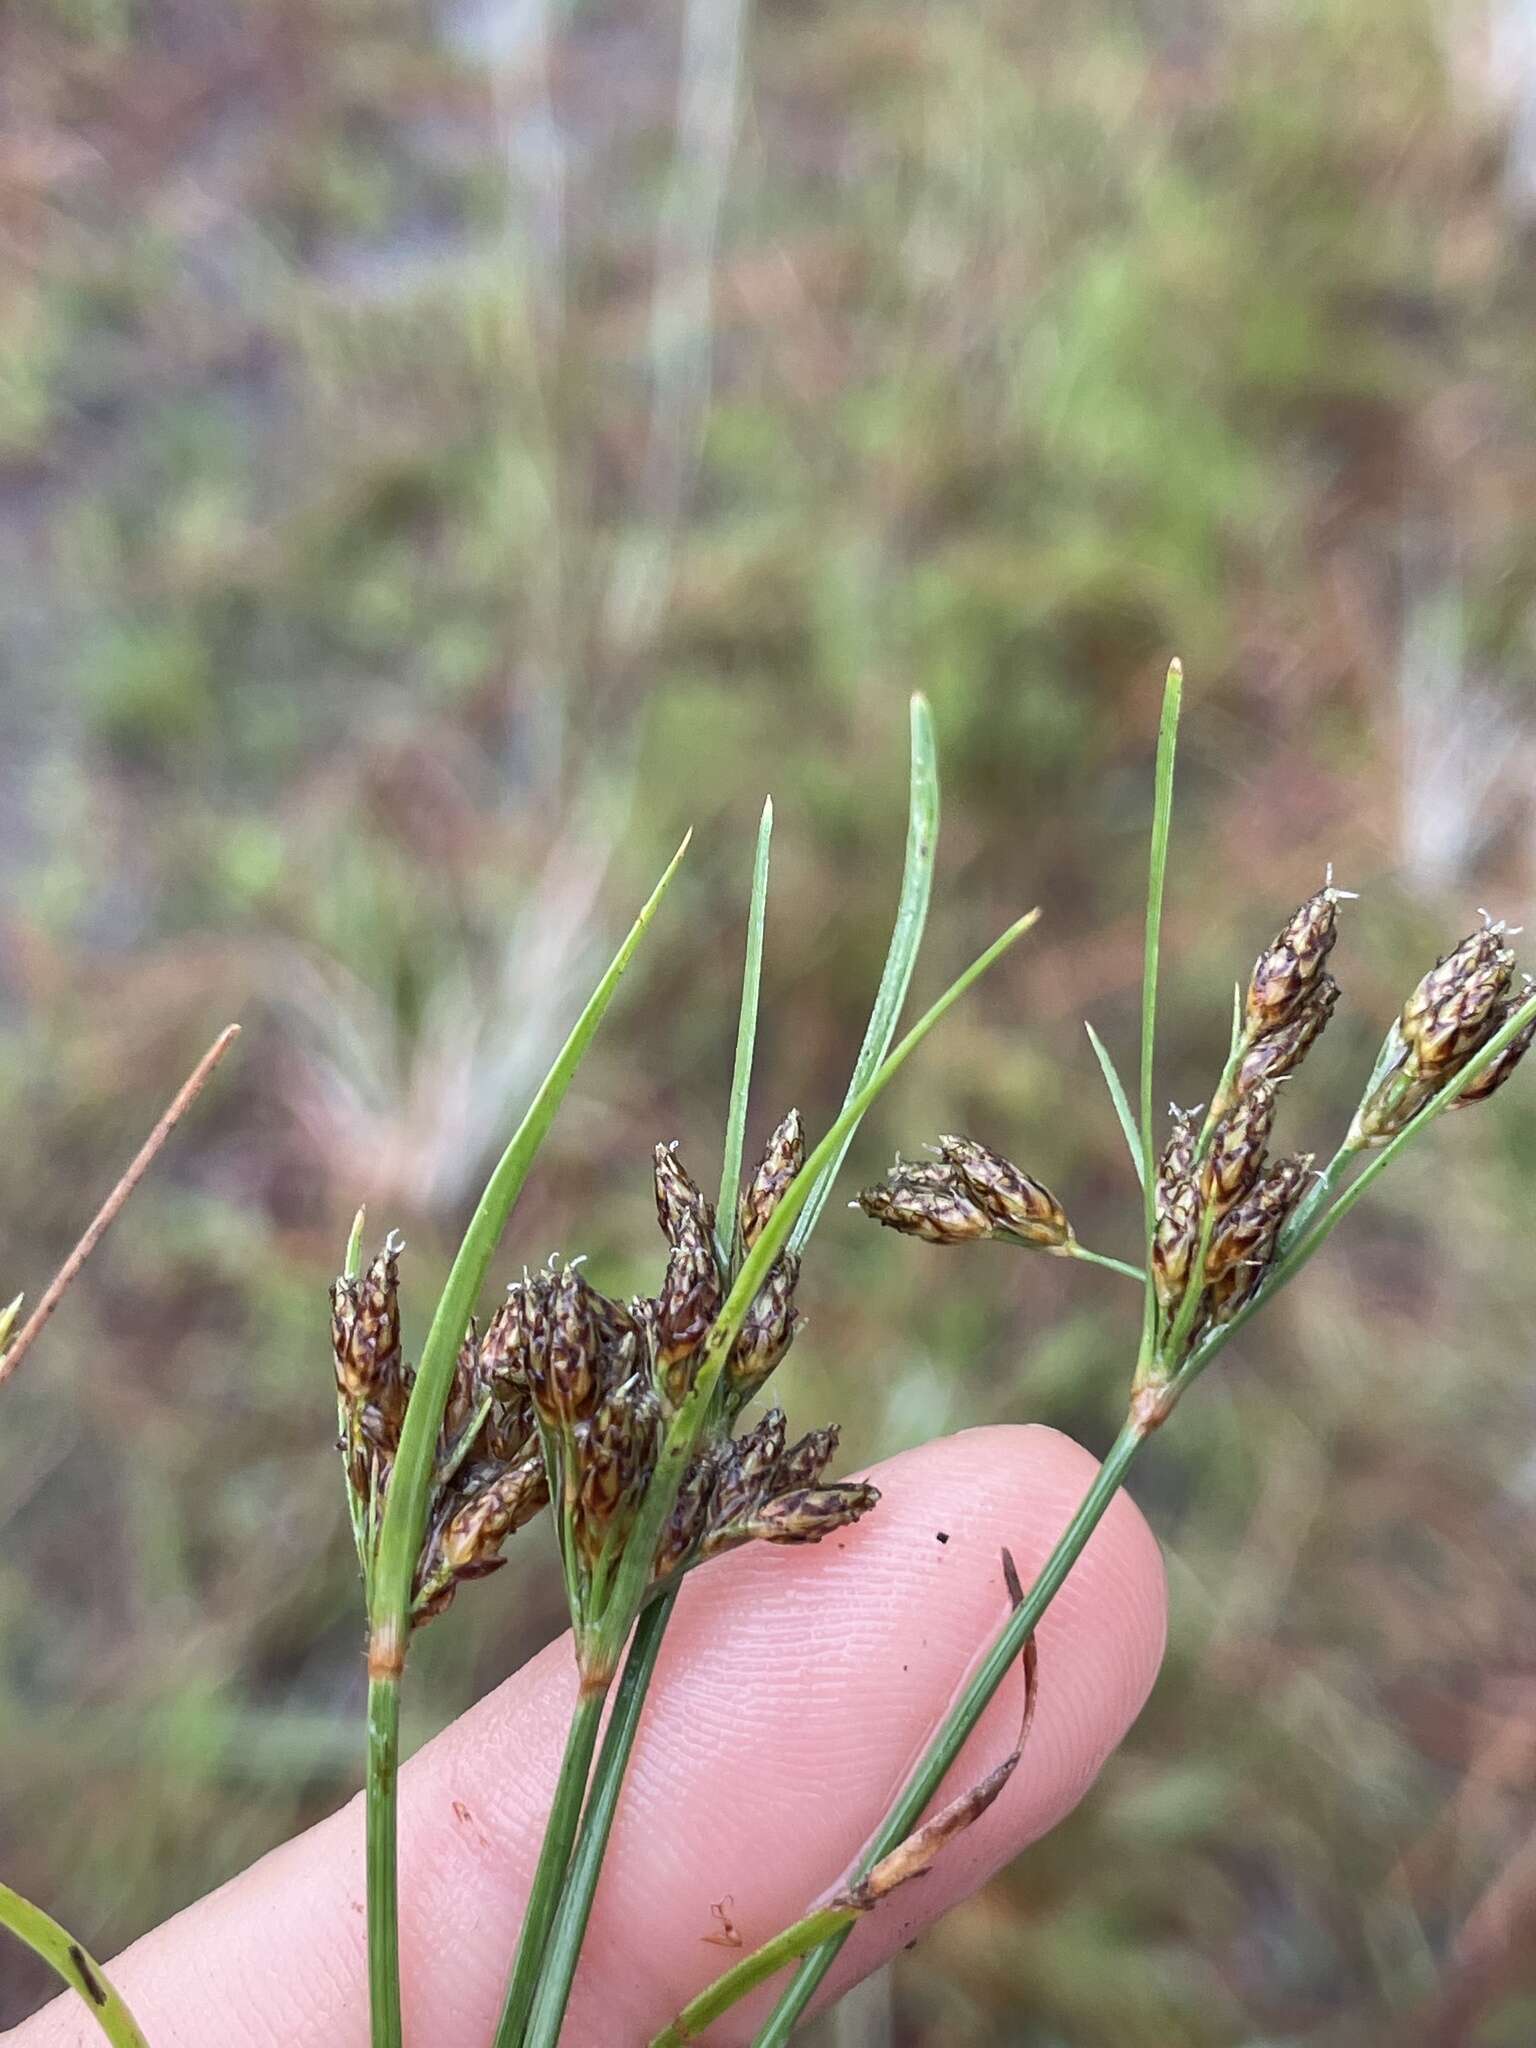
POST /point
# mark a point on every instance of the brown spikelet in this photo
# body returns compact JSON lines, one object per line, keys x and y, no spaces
{"x":689,"y":1519}
{"x":680,"y":1205}
{"x":767,"y":1330}
{"x":1450,"y":1014}
{"x":749,"y":1469}
{"x":1011,"y":1198}
{"x":805,"y":1461}
{"x":616,"y":1453}
{"x":805,"y":1514}
{"x":688,"y":1303}
{"x":782,"y":1159}
{"x":1281,"y":1051}
{"x":931,"y":1202}
{"x":1175,"y":1240}
{"x":466,"y":1543}
{"x":1177,"y":1159}
{"x":1498,"y":1070}
{"x":1236,"y":1154}
{"x":504,"y":1347}
{"x":1244,"y":1242}
{"x":1290,"y":965}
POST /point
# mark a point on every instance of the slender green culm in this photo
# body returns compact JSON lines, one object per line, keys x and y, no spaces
{"x":563,"y":1948}
{"x":901,"y":957}
{"x":405,"y":1512}
{"x":70,"y":1960}
{"x":550,"y":1871}
{"x":746,"y":1042}
{"x":962,"y":1717}
{"x":1157,"y":871}
{"x":1121,"y":1100}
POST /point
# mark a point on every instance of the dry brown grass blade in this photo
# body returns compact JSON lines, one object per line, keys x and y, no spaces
{"x":916,"y":1854}
{"x":102,"y":1221}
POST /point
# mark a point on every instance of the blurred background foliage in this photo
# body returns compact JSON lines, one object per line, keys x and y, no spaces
{"x":446,"y":449}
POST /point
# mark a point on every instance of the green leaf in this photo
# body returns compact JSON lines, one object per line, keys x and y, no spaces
{"x":1120,"y":1099}
{"x":746,"y":1040}
{"x":80,"y":1971}
{"x":1162,"y":813}
{"x":405,"y":1511}
{"x":906,"y":937}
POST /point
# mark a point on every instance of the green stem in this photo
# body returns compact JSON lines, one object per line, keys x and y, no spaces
{"x":746,"y":1040}
{"x":745,"y":1976}
{"x":383,"y":1900}
{"x":569,"y":1930}
{"x":964,"y":1714}
{"x":1074,"y":1250}
{"x":549,"y":1875}
{"x":79,"y":1970}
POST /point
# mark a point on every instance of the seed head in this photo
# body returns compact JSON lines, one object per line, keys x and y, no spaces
{"x":688,"y":1303}
{"x":934,"y":1203}
{"x":616,"y":1451}
{"x":1449,"y":1014}
{"x":1175,"y":1240}
{"x":804,"y":1462}
{"x":690,"y":1514}
{"x":1177,"y":1161}
{"x":1006,"y":1194}
{"x":781,"y":1161}
{"x":365,"y":1328}
{"x":804,"y":1515}
{"x":681,"y":1209}
{"x":1281,"y":1051}
{"x":767,"y":1330}
{"x":504,"y":1348}
{"x":1244,"y":1241}
{"x":1290,"y":966}
{"x":749,"y":1470}
{"x":1236,"y":1157}
{"x":1498,"y":1071}
{"x":466,"y":1543}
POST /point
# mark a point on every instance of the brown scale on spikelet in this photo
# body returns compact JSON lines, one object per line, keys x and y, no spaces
{"x":1009,"y":1197}
{"x":1236,"y":1154}
{"x":805,"y":1461}
{"x":782,"y":1160}
{"x":1176,"y":1162}
{"x":372,"y":1377}
{"x":748,"y":1469}
{"x":934,"y":1203}
{"x":689,"y":1519}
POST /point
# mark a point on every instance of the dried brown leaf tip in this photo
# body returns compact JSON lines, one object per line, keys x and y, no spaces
{"x":969,"y":1193}
{"x":1460,"y":1004}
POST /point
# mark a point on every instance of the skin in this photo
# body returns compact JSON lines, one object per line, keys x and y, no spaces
{"x":796,"y":1689}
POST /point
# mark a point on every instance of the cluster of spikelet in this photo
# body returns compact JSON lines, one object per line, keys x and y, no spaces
{"x":567,"y":1394}
{"x":1221,"y":1206}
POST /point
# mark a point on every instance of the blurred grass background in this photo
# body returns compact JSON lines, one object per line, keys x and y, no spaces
{"x":445,"y":450}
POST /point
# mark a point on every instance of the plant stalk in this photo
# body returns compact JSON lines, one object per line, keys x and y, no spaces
{"x":80,"y":1971}
{"x":966,"y":1712}
{"x":787,"y":1946}
{"x":569,"y":1930}
{"x":554,"y":1857}
{"x":383,"y":1899}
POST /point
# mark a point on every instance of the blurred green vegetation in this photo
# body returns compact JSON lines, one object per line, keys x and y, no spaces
{"x":430,"y":476}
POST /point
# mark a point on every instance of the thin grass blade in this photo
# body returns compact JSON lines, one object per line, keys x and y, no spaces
{"x":746,"y":1041}
{"x":79,"y":1970}
{"x":906,"y":937}
{"x":1120,"y":1099}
